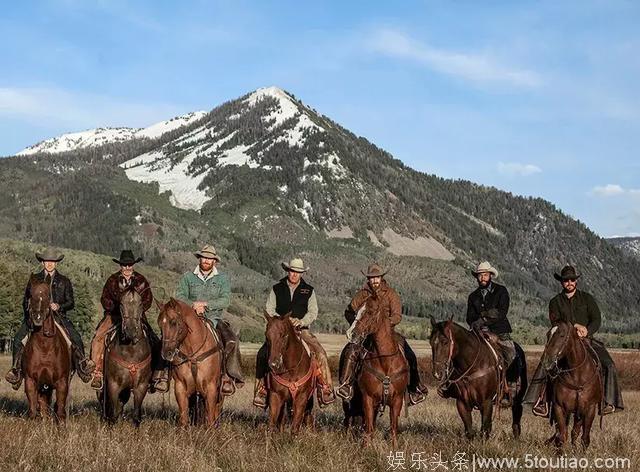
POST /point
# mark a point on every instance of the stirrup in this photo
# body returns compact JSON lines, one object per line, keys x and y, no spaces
{"x":346,"y":396}
{"x":607,"y":409}
{"x":416,"y":397}
{"x":97,"y":383}
{"x":14,"y":377}
{"x":326,"y":396}
{"x":541,"y":408}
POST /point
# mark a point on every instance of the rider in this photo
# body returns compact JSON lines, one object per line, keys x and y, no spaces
{"x":113,"y":290}
{"x":487,"y":308}
{"x":208,"y":291}
{"x":61,"y":293}
{"x":293,"y":295}
{"x":579,"y":308}
{"x":388,"y":299}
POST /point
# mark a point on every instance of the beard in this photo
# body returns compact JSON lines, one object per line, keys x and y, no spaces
{"x":484,"y":283}
{"x":206,"y":266}
{"x":374,"y":286}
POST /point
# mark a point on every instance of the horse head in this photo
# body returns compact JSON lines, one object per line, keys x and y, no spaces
{"x":369,"y":320}
{"x":279,"y":334}
{"x":560,"y":340}
{"x":442,"y":347}
{"x":173,"y":327}
{"x":39,"y":301}
{"x":131,"y":313}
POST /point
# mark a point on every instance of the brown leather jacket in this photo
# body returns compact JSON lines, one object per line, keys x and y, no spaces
{"x":386,"y":297}
{"x":112,"y":292}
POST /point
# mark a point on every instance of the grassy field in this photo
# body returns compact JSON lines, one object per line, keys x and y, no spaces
{"x":242,"y":442}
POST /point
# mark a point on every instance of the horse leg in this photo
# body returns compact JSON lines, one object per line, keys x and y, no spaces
{"x":182,"y":399}
{"x":369,"y":417}
{"x":578,"y":420}
{"x":62,"y":390}
{"x":309,"y":416}
{"x":561,"y":425}
{"x":465,"y":416}
{"x":486,"y":414}
{"x":276,"y":407}
{"x":211,"y":406}
{"x":587,"y":422}
{"x":113,"y":397}
{"x":31,"y":390}
{"x":299,"y":408}
{"x":139,"y":392}
{"x":394,"y":413}
{"x":516,"y":416}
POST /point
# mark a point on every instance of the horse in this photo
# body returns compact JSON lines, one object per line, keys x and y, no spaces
{"x":197,"y":359}
{"x":46,"y":361}
{"x":575,"y":383}
{"x":384,"y":374}
{"x":292,"y":376}
{"x":127,"y":365}
{"x":467,"y":370}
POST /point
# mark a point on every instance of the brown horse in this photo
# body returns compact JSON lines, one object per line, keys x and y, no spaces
{"x":46,"y":362}
{"x":576,"y":385}
{"x":197,"y":360}
{"x":384,"y":375}
{"x":292,"y":375}
{"x":128,"y":361}
{"x":467,"y":370}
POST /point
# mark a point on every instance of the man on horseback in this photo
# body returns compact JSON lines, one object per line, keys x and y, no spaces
{"x":376,"y":288}
{"x":208,"y":291}
{"x":487,"y":309}
{"x":580,"y":309}
{"x":114,"y":287}
{"x":61,"y":293}
{"x":293,"y":295}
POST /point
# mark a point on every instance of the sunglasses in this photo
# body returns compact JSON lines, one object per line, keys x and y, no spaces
{"x":568,"y":280}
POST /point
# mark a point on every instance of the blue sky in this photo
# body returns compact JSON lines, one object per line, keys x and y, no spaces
{"x":536,"y":98}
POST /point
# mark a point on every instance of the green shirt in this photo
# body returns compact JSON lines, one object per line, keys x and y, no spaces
{"x":581,"y":308}
{"x":215,"y":290}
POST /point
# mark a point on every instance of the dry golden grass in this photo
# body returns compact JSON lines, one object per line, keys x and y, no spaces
{"x":242,"y":442}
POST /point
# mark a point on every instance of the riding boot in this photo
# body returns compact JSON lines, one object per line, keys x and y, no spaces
{"x":14,"y":376}
{"x":347,"y":376}
{"x":260,"y":394}
{"x":326,"y":395}
{"x":233,"y":373}
{"x":84,"y":367}
{"x":160,"y":377}
{"x":508,"y":395}
{"x":417,"y":390}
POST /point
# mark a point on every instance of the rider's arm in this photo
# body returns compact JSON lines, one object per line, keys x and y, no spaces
{"x":68,"y":302}
{"x":554,"y":312}
{"x":105,"y":299}
{"x":25,"y":300}
{"x":595,"y":318}
{"x":182,"y":291}
{"x":270,"y":307}
{"x":472,"y":313}
{"x":395,"y":309}
{"x":312,"y":311}
{"x":146,"y":294}
{"x":223,"y":298}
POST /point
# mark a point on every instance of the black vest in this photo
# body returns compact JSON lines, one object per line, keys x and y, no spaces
{"x":298,"y":305}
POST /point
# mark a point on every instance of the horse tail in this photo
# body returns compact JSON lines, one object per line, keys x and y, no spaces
{"x":524,"y":384}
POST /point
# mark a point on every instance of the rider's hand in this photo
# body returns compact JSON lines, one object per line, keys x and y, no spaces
{"x":54,"y":306}
{"x":199,"y":307}
{"x":296,"y":322}
{"x":581,"y":329}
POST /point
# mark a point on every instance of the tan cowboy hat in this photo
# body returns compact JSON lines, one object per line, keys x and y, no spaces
{"x":374,"y":270}
{"x":567,"y":272}
{"x":208,"y":252}
{"x":295,"y":265}
{"x":485,"y":267}
{"x":49,"y":255}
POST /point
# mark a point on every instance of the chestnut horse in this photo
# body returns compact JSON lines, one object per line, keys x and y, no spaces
{"x":466,"y":368}
{"x":384,"y":375}
{"x":292,"y":374}
{"x":128,"y":361}
{"x":46,"y":362}
{"x":576,"y":384}
{"x":196,"y":357}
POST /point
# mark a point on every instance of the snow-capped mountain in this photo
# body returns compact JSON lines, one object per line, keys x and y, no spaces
{"x":101,"y":136}
{"x":630,"y":245}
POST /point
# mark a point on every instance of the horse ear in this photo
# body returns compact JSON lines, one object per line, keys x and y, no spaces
{"x":433,"y":321}
{"x":266,"y":316}
{"x":159,"y":305}
{"x":287,"y":315}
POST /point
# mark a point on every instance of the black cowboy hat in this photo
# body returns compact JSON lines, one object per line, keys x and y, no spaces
{"x":127,"y":258}
{"x":567,"y":272}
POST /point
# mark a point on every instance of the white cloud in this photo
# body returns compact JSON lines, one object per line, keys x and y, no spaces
{"x":612,"y":190}
{"x":59,"y":108}
{"x":518,"y":169}
{"x":471,"y":67}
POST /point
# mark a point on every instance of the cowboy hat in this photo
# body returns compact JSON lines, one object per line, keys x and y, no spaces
{"x":127,"y":258}
{"x":208,"y":252}
{"x":374,"y":270}
{"x":295,"y":265}
{"x":485,"y":267}
{"x":567,"y":272}
{"x":49,"y":255}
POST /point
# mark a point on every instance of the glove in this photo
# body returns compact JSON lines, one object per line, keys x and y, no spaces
{"x":492,"y":314}
{"x":478,"y":325}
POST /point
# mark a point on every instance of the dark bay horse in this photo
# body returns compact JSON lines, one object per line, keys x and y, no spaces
{"x":292,"y":375}
{"x":128,"y":361}
{"x":197,"y":362}
{"x":576,"y":385}
{"x":384,"y":374}
{"x":466,"y":368}
{"x":46,"y":361}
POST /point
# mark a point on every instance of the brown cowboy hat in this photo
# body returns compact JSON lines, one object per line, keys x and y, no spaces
{"x":374,"y":270}
{"x":127,"y":258}
{"x":208,"y":252}
{"x":49,"y":255}
{"x":295,"y":265}
{"x":567,"y":272}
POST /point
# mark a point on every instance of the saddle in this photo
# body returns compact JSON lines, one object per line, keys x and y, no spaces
{"x":62,"y":331}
